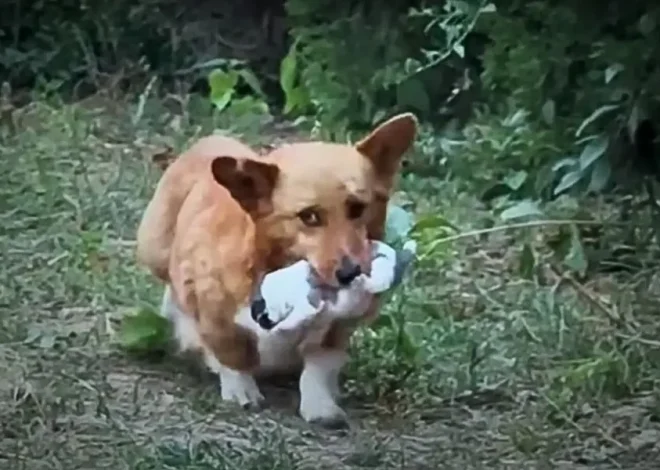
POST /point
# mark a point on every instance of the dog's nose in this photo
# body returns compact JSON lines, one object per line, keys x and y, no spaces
{"x":348,"y":271}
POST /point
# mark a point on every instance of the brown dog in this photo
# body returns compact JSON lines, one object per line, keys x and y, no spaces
{"x":211,"y":235}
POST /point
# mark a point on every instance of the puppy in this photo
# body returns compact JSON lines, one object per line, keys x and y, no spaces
{"x":222,"y":217}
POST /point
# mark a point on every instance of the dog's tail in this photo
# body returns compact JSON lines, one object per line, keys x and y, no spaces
{"x":156,"y":230}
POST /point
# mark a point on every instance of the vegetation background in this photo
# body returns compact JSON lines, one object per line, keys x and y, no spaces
{"x":528,"y":336}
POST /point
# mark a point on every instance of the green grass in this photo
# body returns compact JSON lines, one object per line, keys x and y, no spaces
{"x":473,"y":365}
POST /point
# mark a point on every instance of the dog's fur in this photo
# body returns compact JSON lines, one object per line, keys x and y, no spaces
{"x":222,"y":216}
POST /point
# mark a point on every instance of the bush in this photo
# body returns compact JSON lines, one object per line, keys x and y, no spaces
{"x":561,"y":95}
{"x":82,"y":46}
{"x":540,"y":97}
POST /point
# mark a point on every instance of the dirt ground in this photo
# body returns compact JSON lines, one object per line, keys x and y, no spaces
{"x":504,"y":374}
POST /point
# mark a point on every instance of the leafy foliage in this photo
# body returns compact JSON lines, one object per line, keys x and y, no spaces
{"x":76,"y":48}
{"x":144,"y":331}
{"x":551,"y":96}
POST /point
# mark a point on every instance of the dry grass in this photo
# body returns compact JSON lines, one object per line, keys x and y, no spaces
{"x":473,"y":366}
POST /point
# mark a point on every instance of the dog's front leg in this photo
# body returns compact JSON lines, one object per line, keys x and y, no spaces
{"x":231,"y":351}
{"x":236,"y":386}
{"x":319,"y":387}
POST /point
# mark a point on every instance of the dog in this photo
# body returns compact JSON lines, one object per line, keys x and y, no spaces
{"x":222,"y":217}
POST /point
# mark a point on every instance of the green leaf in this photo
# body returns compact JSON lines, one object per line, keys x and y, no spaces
{"x":612,"y":71}
{"x":378,"y":116}
{"x":600,"y":175}
{"x":406,"y":344}
{"x":384,"y":320}
{"x":288,"y":69}
{"x":411,"y":66}
{"x":517,"y":119}
{"x":637,"y":115}
{"x":524,"y":208}
{"x":564,"y":162}
{"x":567,"y":181}
{"x":459,"y":49}
{"x":488,"y":8}
{"x":527,"y":262}
{"x":144,"y":331}
{"x":646,"y":24}
{"x":548,"y":112}
{"x":495,"y":191}
{"x":252,"y":81}
{"x":411,"y":92}
{"x":593,"y":151}
{"x":398,"y":223}
{"x":222,"y":86}
{"x":576,"y":259}
{"x":516,"y":180}
{"x":595,"y":115}
{"x":297,"y":98}
{"x":249,"y":106}
{"x":435,"y":221}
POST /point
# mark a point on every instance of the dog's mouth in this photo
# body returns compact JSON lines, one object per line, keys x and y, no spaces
{"x":320,"y":290}
{"x":316,"y":282}
{"x":314,"y":279}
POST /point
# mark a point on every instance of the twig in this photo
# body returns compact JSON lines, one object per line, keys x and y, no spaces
{"x":143,"y":100}
{"x":646,"y":342}
{"x":450,"y":50}
{"x":501,"y":228}
{"x":591,"y":298}
{"x":578,"y":427}
{"x":234,"y":45}
{"x":13,"y":458}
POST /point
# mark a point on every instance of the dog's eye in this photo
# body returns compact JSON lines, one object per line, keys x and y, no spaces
{"x":310,"y":217}
{"x":355,"y":209}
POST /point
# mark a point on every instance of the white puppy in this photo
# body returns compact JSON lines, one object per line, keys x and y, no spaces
{"x":291,"y":297}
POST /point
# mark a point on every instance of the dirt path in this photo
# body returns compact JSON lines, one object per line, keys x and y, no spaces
{"x":76,"y":182}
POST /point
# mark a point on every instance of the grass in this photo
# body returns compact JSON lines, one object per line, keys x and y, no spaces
{"x":475,"y":364}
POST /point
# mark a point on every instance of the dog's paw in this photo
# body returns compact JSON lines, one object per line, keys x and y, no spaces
{"x":325,"y":413}
{"x":242,"y":389}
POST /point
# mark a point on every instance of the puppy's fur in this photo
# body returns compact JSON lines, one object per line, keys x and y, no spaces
{"x":222,"y":216}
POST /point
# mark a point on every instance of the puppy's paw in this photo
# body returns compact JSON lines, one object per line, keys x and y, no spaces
{"x":323,"y":412}
{"x":242,"y":389}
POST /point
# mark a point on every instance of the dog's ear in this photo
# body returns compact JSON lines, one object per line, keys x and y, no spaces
{"x":250,"y":182}
{"x":385,"y":147}
{"x":386,"y":144}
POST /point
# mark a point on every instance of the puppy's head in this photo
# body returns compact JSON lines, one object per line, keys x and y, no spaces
{"x":331,"y":198}
{"x":250,"y":182}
